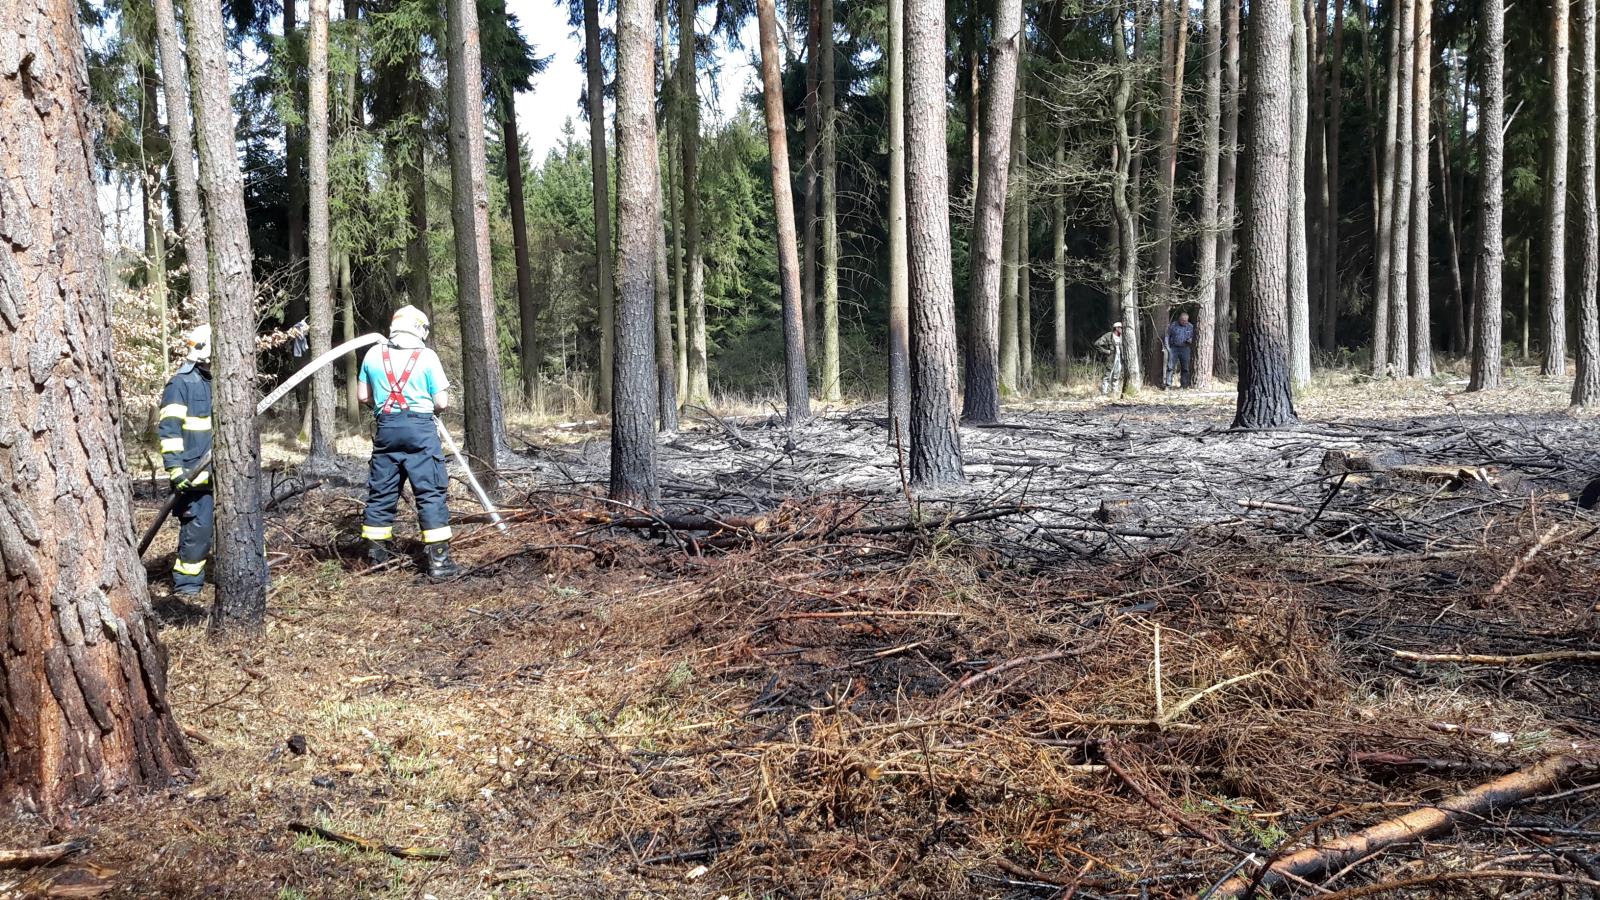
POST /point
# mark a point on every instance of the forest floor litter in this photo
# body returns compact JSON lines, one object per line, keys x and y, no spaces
{"x":1135,"y":655}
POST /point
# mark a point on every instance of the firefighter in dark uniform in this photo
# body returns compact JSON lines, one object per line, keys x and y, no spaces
{"x":185,"y":435}
{"x":407,"y":386}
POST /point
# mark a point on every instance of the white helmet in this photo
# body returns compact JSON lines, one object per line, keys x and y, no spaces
{"x":409,"y":320}
{"x":198,"y":342}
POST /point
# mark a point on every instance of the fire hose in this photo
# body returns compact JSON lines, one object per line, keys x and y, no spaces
{"x":281,"y":391}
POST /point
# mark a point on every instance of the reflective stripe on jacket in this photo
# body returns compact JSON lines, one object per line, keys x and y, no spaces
{"x":185,"y":427}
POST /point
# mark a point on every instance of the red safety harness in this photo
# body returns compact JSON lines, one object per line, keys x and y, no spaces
{"x":397,"y":386}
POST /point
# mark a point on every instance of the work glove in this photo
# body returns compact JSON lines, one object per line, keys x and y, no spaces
{"x":176,"y":476}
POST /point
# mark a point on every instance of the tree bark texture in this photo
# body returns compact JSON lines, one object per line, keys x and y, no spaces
{"x":1010,"y":314}
{"x":238,"y":548}
{"x":1400,"y":236}
{"x":935,"y":446}
{"x":1421,"y":350}
{"x":808,"y":272}
{"x":527,"y":304}
{"x":1210,"y":150}
{"x":419,"y":285}
{"x":794,"y":338}
{"x":1174,"y":48}
{"x":1062,"y":344}
{"x":469,"y":214}
{"x":1586,"y":385}
{"x":180,"y":132}
{"x":601,"y":187}
{"x":899,"y":276}
{"x":83,"y":673}
{"x":1382,"y":287}
{"x":984,"y":375}
{"x":1019,"y":190}
{"x":155,"y":219}
{"x":1122,"y":209}
{"x":633,"y":408}
{"x":1299,"y":263}
{"x":699,"y":389}
{"x":1555,"y":197}
{"x":1265,"y":399}
{"x":828,"y":311}
{"x":1491,"y":156}
{"x":319,"y":294}
{"x":666,"y":371}
{"x":1332,"y":182}
{"x":1227,"y":192}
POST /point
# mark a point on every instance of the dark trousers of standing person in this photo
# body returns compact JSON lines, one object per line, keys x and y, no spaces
{"x":406,"y":448}
{"x":1183,"y":362}
{"x":194,"y":509}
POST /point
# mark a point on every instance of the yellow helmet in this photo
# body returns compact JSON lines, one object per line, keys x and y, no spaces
{"x":409,"y":320}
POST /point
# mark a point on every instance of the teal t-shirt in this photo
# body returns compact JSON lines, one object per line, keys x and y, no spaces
{"x":427,"y":377}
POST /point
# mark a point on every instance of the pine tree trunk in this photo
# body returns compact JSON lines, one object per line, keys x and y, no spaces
{"x":1210,"y":150}
{"x":345,"y":276}
{"x":829,"y":305}
{"x":347,"y":305}
{"x":1586,"y":385}
{"x":1024,"y":270}
{"x":1458,"y":303}
{"x":1382,"y":285}
{"x":984,"y":375}
{"x":1299,"y":276}
{"x":324,"y":431}
{"x":699,"y":389}
{"x":601,"y":190}
{"x":1332,"y":180}
{"x":1174,"y":48}
{"x":294,"y":162}
{"x":1265,"y":399}
{"x":155,"y":220}
{"x":666,"y":370}
{"x":1127,"y":223}
{"x":419,"y":286}
{"x":180,"y":131}
{"x":527,"y":306}
{"x":1062,"y":345}
{"x":1555,"y":198}
{"x":1400,"y":238}
{"x":935,"y":446}
{"x":1316,"y":209}
{"x":633,"y":409}
{"x":794,"y":338}
{"x":809,"y":173}
{"x":899,"y":287}
{"x":1421,"y":361}
{"x":1227,"y":192}
{"x":469,"y":214}
{"x":1010,"y":316}
{"x":82,"y":673}
{"x":1491,"y":155}
{"x":680,"y":308}
{"x":238,"y":544}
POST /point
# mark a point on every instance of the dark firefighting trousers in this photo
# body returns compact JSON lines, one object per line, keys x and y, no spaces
{"x":194,"y":511}
{"x":406,"y":448}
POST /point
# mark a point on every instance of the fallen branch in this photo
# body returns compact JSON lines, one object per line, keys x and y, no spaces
{"x":368,"y":845}
{"x":1414,"y":826}
{"x":1521,"y":659}
{"x":29,"y":857}
{"x":1523,"y":560}
{"x":1388,"y":887}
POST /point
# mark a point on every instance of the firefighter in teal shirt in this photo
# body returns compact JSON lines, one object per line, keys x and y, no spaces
{"x":406,"y":385}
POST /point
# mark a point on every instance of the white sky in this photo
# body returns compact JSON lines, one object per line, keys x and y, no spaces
{"x":542,"y":112}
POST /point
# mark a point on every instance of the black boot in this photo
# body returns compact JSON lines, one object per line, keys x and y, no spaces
{"x":439,"y":563}
{"x":378,"y":552}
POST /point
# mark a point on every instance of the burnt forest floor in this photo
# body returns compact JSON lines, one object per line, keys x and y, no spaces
{"x":1135,"y":651}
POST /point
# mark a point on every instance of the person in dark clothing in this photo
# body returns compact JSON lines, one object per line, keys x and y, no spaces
{"x":185,"y":435}
{"x":1180,"y":351}
{"x":406,"y":384}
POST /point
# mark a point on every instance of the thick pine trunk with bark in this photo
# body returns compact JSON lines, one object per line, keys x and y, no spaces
{"x":1299,"y":263}
{"x":1206,"y":289}
{"x":1421,"y":350}
{"x":1555,"y":198}
{"x":1332,"y":182}
{"x":1382,"y":285}
{"x":1400,"y":236}
{"x":899,"y":287}
{"x":984,"y":376}
{"x":935,"y":446}
{"x":83,"y":673}
{"x":601,"y":192}
{"x":1010,"y":313}
{"x":666,"y":374}
{"x":1265,"y":399}
{"x":1586,"y":386}
{"x":180,"y":132}
{"x":238,"y":548}
{"x":633,"y":408}
{"x":469,"y":214}
{"x":318,"y":264}
{"x":1491,"y":155}
{"x":1227,"y":192}
{"x":794,"y":338}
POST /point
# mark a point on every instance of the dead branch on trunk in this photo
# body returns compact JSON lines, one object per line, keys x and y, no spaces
{"x":28,"y":857}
